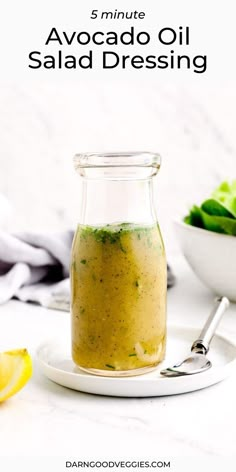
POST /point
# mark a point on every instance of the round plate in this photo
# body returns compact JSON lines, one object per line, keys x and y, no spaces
{"x":55,"y":361}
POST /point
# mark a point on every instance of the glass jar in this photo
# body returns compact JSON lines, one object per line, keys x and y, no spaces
{"x":118,"y":267}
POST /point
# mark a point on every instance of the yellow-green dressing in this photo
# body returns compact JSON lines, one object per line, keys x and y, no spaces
{"x":118,"y":284}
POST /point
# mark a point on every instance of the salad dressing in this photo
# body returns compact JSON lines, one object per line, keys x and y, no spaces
{"x":118,"y":285}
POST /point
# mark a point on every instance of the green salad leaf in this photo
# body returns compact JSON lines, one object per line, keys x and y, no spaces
{"x":215,"y":208}
{"x":219,"y":224}
{"x":217,"y":213}
{"x":194,"y":218}
{"x":226,"y":195}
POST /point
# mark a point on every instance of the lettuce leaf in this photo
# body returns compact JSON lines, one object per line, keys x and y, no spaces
{"x":217,"y":213}
{"x":194,"y":218}
{"x":226,"y":195}
{"x":215,"y":208}
{"x":219,"y":224}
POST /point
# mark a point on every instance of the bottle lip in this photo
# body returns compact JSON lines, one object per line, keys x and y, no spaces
{"x":117,"y":159}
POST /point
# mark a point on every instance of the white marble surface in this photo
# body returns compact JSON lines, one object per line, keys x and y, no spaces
{"x":45,"y":419}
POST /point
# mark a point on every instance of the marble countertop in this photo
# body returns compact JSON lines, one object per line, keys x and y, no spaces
{"x":45,"y":419}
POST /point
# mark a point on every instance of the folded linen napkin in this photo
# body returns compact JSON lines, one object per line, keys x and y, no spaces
{"x":34,"y":267}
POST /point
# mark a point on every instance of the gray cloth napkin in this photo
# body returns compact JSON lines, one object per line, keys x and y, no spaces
{"x":34,"y":267}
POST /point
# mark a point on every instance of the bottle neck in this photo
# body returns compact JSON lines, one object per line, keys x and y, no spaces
{"x":117,"y":201}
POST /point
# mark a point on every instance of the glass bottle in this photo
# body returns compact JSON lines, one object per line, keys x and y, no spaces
{"x":118,"y":267}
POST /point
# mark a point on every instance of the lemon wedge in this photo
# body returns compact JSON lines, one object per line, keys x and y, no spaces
{"x":15,"y":371}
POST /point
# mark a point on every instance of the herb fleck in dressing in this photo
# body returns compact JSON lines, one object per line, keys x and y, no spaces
{"x":118,"y":282}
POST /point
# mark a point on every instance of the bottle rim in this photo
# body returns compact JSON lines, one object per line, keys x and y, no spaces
{"x":117,"y":159}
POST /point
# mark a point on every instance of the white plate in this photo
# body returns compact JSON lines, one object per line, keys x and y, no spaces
{"x":56,"y":363}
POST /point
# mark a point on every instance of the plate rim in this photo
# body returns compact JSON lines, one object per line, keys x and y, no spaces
{"x":215,"y":370}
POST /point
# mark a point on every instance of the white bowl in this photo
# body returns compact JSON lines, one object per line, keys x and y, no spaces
{"x":212,"y":256}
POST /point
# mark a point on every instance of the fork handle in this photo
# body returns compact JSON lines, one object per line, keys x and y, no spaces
{"x":202,"y":344}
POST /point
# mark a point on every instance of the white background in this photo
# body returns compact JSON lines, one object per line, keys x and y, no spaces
{"x":48,"y":116}
{"x":45,"y":118}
